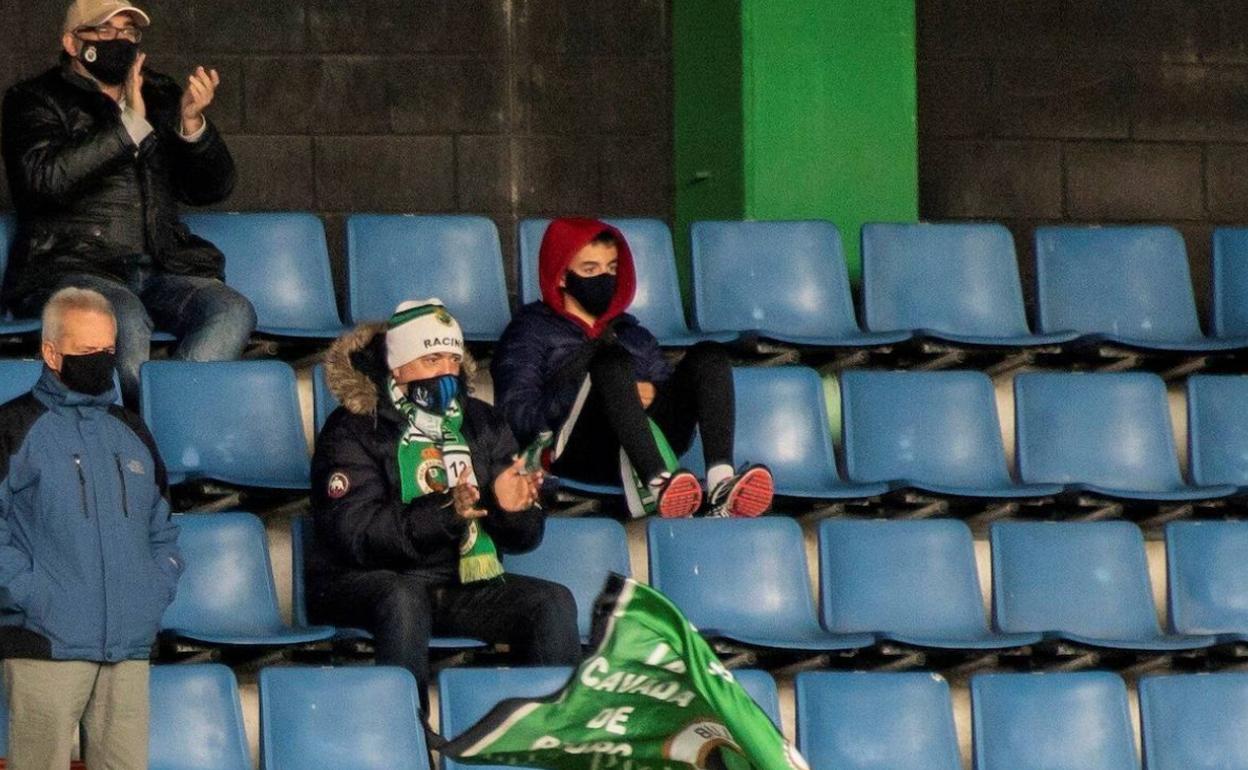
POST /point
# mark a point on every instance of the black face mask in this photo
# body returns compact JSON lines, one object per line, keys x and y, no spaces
{"x":434,"y":394}
{"x":108,"y":61}
{"x":594,"y":294}
{"x":91,"y":374}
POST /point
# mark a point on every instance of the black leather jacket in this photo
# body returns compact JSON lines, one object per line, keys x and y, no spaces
{"x":88,"y":200}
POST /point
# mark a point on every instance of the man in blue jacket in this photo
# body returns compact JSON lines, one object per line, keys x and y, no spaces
{"x":88,"y":554}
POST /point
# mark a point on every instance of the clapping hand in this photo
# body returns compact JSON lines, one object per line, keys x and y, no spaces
{"x":465,"y":497}
{"x":201,"y":87}
{"x":515,"y":490}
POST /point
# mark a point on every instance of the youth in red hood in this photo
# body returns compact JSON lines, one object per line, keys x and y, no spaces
{"x":563,"y":239}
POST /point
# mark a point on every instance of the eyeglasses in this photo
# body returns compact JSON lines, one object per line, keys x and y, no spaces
{"x":109,"y":32}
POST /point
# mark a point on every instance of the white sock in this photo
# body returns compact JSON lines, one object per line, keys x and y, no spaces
{"x":717,"y":473}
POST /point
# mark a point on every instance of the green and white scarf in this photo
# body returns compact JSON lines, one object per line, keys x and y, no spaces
{"x":434,"y":457}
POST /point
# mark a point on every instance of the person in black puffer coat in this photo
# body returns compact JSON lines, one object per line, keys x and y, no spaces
{"x":415,"y":492}
{"x":99,"y":152}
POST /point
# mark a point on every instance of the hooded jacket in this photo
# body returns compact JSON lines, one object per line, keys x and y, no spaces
{"x":88,"y":200}
{"x":88,"y":553}
{"x":541,"y":358}
{"x":360,"y":519}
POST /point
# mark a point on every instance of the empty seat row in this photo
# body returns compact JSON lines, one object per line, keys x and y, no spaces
{"x":910,"y":582}
{"x":916,"y":583}
{"x":370,"y":718}
{"x":957,"y":283}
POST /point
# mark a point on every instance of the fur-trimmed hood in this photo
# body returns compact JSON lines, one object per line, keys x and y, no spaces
{"x":355,"y":369}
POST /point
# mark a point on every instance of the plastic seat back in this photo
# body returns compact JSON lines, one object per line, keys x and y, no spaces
{"x":1230,"y":282}
{"x":1088,"y":579}
{"x":18,"y":376}
{"x":234,"y":421}
{"x":227,"y":587}
{"x":1194,"y":721}
{"x":361,"y":717}
{"x":454,"y":257}
{"x":915,"y":578}
{"x":951,"y":278}
{"x":324,"y":402}
{"x":706,"y":566}
{"x":580,"y":554}
{"x":1112,"y":430}
{"x":875,"y":721}
{"x":197,"y":719}
{"x":934,"y":428}
{"x":1064,"y":721}
{"x":279,"y":261}
{"x":787,"y":277}
{"x":1129,"y":282}
{"x":782,"y":421}
{"x":1217,"y":429}
{"x":1207,"y":575}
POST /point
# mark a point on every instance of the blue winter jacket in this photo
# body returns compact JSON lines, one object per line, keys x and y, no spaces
{"x":88,"y":553}
{"x":535,"y":370}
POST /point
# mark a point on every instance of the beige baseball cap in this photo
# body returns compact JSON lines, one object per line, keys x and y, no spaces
{"x":92,"y":13}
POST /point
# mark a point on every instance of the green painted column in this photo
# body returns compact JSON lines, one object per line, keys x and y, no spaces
{"x":795,"y":109}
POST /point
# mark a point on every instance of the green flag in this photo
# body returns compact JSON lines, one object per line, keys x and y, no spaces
{"x":652,"y":696}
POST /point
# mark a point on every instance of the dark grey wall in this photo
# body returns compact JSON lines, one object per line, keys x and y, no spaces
{"x":509,"y":108}
{"x":1086,"y":111}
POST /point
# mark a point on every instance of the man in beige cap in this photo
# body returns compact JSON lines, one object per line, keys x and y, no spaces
{"x":99,"y":153}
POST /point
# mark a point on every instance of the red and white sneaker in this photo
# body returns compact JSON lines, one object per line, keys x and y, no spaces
{"x":746,"y":494}
{"x":679,"y":496}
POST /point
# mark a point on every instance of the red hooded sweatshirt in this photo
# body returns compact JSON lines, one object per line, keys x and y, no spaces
{"x":563,"y":239}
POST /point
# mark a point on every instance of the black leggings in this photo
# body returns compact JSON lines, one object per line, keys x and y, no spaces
{"x":699,"y":394}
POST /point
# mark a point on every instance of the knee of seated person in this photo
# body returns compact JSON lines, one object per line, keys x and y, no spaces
{"x":707,"y":353}
{"x":611,"y":359}
{"x":405,"y":603}
{"x":556,"y":606}
{"x":239,"y":310}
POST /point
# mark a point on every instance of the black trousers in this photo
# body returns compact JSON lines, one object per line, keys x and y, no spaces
{"x":403,"y":610}
{"x":699,"y":395}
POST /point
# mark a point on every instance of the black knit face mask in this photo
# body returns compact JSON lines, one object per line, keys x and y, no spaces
{"x":108,"y":61}
{"x":594,"y":294}
{"x":90,"y":374}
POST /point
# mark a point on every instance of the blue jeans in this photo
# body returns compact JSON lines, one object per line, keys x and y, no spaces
{"x":211,"y":321}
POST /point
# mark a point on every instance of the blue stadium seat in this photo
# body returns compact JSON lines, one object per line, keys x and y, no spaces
{"x":1128,"y":285}
{"x":1207,"y":576}
{"x":933,"y":431}
{"x":323,"y":400}
{"x":657,"y":305}
{"x":18,"y":376}
{"x":786,"y":281}
{"x":1217,"y":430}
{"x":952,"y":282}
{"x":303,"y":537}
{"x":233,"y":421}
{"x":707,"y":566}
{"x":1230,"y":282}
{"x":454,"y":257}
{"x":1065,"y":721}
{"x":913,"y":582}
{"x":197,"y":720}
{"x":279,"y":261}
{"x":1195,"y":721}
{"x":875,"y":721}
{"x":782,"y":421}
{"x":226,"y":594}
{"x":358,"y":717}
{"x":466,"y":695}
{"x":580,"y":554}
{"x":1108,"y":434}
{"x":8,"y":324}
{"x":1084,"y":582}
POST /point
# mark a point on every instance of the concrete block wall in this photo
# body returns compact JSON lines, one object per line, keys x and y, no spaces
{"x":1085,"y":111}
